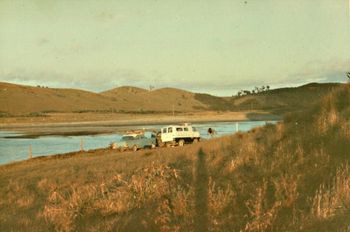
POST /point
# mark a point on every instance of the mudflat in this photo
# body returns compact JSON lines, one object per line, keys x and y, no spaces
{"x":99,"y":123}
{"x":121,"y":119}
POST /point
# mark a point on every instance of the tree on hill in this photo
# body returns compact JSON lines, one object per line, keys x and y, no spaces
{"x":256,"y":90}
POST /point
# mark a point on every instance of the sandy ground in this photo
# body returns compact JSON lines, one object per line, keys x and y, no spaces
{"x":96,"y":123}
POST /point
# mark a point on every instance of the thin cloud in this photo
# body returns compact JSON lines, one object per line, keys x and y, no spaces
{"x":322,"y":71}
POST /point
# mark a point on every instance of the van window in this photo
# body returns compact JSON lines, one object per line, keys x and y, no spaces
{"x":185,"y":128}
{"x":164,"y":130}
{"x":194,"y":129}
{"x":170,"y":130}
{"x":179,"y":129}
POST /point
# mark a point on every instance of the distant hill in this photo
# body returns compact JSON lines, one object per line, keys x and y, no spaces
{"x":164,"y":99}
{"x":278,"y":101}
{"x":20,"y":99}
{"x":29,"y":100}
{"x":124,"y":90}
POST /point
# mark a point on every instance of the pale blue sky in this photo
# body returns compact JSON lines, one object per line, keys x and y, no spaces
{"x":209,"y":46}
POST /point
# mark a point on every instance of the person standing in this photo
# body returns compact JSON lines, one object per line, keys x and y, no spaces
{"x":211,"y":132}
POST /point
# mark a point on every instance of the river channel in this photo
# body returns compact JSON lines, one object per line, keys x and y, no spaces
{"x":15,"y":147}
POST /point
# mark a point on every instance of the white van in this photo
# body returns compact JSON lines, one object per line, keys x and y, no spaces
{"x":178,"y":135}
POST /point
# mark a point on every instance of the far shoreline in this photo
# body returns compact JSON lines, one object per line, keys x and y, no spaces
{"x":95,"y":119}
{"x":90,"y":124}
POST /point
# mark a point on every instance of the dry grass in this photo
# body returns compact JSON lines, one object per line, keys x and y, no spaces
{"x":334,"y":198}
{"x":293,"y":176}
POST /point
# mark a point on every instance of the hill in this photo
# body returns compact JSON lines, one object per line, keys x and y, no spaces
{"x":286,"y":99}
{"x":29,"y":100}
{"x":20,"y":99}
{"x":33,"y":101}
{"x":293,"y":176}
{"x":278,"y":101}
{"x":164,"y":99}
{"x":124,"y":90}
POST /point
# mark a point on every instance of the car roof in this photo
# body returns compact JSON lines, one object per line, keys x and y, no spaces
{"x":131,"y":135}
{"x":134,"y":133}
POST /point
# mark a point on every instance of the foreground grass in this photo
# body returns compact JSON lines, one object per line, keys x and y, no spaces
{"x":293,"y":176}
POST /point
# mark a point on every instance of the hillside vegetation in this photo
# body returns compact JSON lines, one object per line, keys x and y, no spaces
{"x":293,"y":176}
{"x":19,"y":100}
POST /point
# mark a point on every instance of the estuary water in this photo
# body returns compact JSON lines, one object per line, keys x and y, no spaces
{"x":16,"y":149}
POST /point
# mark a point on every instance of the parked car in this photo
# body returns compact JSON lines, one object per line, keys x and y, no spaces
{"x":135,"y":141}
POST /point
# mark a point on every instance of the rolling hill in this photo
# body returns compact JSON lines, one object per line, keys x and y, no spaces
{"x":27,"y":100}
{"x":285,"y":99}
{"x":164,"y":99}
{"x":278,"y":101}
{"x":30,"y":101}
{"x":20,"y":99}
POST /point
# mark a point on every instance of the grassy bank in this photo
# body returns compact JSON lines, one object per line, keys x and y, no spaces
{"x":293,"y":176}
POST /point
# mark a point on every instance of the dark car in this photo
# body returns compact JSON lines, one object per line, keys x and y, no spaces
{"x":136,"y":141}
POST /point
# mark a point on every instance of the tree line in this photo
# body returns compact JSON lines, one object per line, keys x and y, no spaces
{"x":256,"y":90}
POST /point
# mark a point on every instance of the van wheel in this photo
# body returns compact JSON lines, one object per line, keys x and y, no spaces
{"x":181,"y":142}
{"x":195,"y":140}
{"x":134,"y":148}
{"x":168,"y":144}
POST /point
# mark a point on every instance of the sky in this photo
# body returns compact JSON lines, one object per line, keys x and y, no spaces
{"x":216,"y":47}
